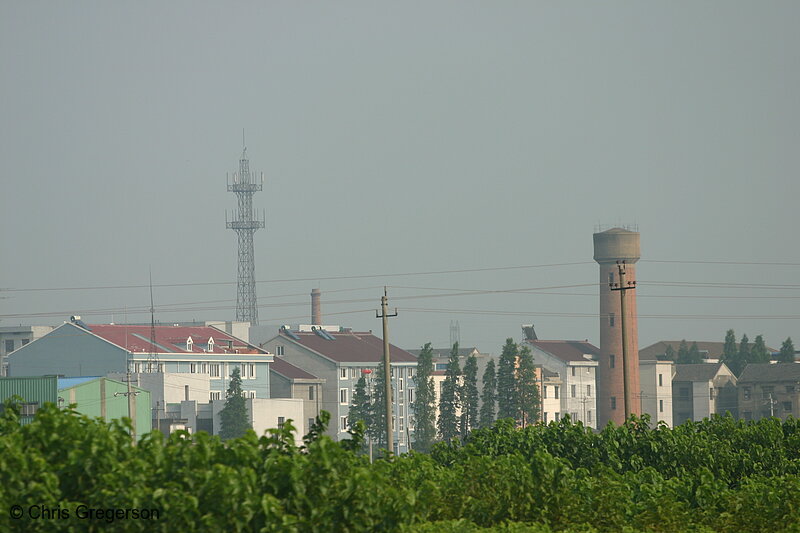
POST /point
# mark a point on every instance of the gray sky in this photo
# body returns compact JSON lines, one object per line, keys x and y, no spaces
{"x":403,"y":137}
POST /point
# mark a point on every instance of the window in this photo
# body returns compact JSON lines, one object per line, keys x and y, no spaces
{"x":746,"y":393}
{"x":572,"y":390}
{"x":574,"y":416}
{"x":343,"y":396}
{"x":342,"y":423}
{"x":216,"y":395}
{"x":613,"y":403}
{"x":9,"y":346}
{"x":589,"y":416}
{"x":411,"y":372}
{"x":611,"y":320}
{"x":311,"y":392}
{"x":252,"y":369}
{"x":310,"y":423}
{"x":610,"y":278}
{"x":588,"y":390}
{"x":441,"y":366}
{"x":28,"y":409}
{"x":189,"y":344}
{"x":137,"y":367}
{"x":161,"y":367}
{"x":186,"y":392}
{"x":343,"y":372}
{"x":545,"y":417}
{"x":711,"y":393}
{"x":573,"y":371}
{"x":555,"y":390}
{"x":611,"y":360}
{"x":214,"y":368}
{"x":281,"y":421}
{"x":557,"y":416}
{"x":402,"y":424}
{"x":411,"y":395}
{"x":544,"y":393}
{"x":661,"y":380}
{"x":787,"y":406}
{"x":279,"y":350}
{"x":660,"y":406}
{"x":204,"y":369}
{"x":193,"y":368}
{"x":400,"y":385}
{"x":25,"y":341}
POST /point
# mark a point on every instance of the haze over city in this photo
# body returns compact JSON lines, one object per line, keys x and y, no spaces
{"x":461,"y":138}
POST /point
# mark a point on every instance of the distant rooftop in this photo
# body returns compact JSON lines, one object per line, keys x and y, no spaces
{"x":347,"y":346}
{"x":568,"y":350}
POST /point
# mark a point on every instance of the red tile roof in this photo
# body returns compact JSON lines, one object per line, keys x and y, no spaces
{"x":567,"y":350}
{"x":350,"y":347}
{"x":172,"y":339}
{"x":288,"y":370}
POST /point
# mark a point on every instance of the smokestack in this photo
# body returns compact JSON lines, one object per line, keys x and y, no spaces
{"x":316,"y":307}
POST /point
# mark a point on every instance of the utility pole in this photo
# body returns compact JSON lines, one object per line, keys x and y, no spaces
{"x":772,"y":403}
{"x":384,"y":316}
{"x":130,"y":394}
{"x":622,"y":287}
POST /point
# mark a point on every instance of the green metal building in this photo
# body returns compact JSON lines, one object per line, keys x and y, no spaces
{"x":93,"y":396}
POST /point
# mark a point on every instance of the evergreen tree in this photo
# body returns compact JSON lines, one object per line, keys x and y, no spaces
{"x":683,"y":353}
{"x":744,"y":349}
{"x":787,"y":351}
{"x":488,"y":395}
{"x":448,"y":401}
{"x":234,"y":421}
{"x":425,"y":402}
{"x":730,"y":353}
{"x":694,"y":356}
{"x":377,"y":430}
{"x":669,"y":355}
{"x":468,"y":396}
{"x":759,"y":353}
{"x":360,"y":409}
{"x":527,"y":388}
{"x":507,"y":405}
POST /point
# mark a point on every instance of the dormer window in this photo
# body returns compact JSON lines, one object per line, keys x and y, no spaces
{"x":189,"y":344}
{"x":211,"y":344}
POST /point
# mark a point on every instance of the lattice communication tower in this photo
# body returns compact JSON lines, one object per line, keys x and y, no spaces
{"x":245,"y":223}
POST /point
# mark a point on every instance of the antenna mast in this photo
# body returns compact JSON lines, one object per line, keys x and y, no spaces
{"x":245,"y":223}
{"x":152,"y":358}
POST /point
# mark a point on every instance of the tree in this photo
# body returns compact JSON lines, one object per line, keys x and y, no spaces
{"x":234,"y":421}
{"x":731,"y":355}
{"x":448,"y":401}
{"x":424,"y":402}
{"x":744,"y":348}
{"x":759,"y":353}
{"x":694,"y":356}
{"x":683,"y":353}
{"x":488,"y":395}
{"x":507,"y":381}
{"x":527,"y":388}
{"x":786,"y":354}
{"x":377,"y":430}
{"x":468,"y":396}
{"x":669,"y":355}
{"x":360,"y":409}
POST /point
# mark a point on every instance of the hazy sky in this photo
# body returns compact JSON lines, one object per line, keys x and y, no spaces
{"x":403,"y":137}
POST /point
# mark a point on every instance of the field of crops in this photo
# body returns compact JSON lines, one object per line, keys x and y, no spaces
{"x":68,"y":472}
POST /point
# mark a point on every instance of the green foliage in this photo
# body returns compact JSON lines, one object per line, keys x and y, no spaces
{"x":377,"y":428}
{"x":787,"y":351}
{"x":468,"y":396}
{"x":669,"y":354}
{"x":688,"y":355}
{"x":425,"y":401}
{"x":527,"y":388}
{"x":759,"y":353}
{"x":720,"y":475}
{"x":507,"y":404}
{"x":488,"y":395}
{"x":683,"y":352}
{"x":448,"y":400}
{"x":361,"y":408}
{"x":234,"y":420}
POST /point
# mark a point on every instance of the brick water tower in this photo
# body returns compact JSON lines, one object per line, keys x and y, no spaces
{"x":611,"y":248}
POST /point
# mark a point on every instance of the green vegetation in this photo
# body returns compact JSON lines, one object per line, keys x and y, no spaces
{"x":720,"y":475}
{"x":233,"y":417}
{"x":449,"y":399}
{"x":425,"y":402}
